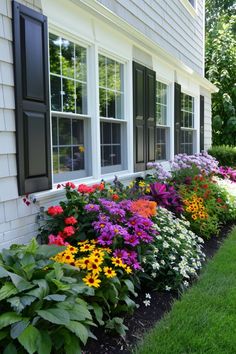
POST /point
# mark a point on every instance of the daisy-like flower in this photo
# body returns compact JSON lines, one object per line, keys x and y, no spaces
{"x":72,"y":249}
{"x":118,"y":262}
{"x":148,"y":296}
{"x":109,"y":272}
{"x":86,"y":248}
{"x":92,"y":280}
{"x":167,"y":288}
{"x":94,"y":268}
{"x":128,"y":269}
{"x":147,"y":302}
{"x":83,"y":263}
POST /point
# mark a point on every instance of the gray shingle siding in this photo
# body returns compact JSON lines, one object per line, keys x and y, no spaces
{"x":168,"y":23}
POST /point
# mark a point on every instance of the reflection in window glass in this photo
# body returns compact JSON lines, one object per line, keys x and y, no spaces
{"x":187,"y":124}
{"x":162,"y":132}
{"x":68,"y":75}
{"x":111,"y":91}
{"x":68,"y":144}
{"x":110,"y":144}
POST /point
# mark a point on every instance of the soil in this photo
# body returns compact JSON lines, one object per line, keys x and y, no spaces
{"x":144,"y":318}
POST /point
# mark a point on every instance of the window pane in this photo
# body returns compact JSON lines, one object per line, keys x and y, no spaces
{"x":54,"y":131}
{"x":80,"y":63}
{"x":119,"y":77}
{"x":68,"y":95}
{"x":102,"y":100}
{"x":110,"y":144}
{"x":54,"y":52}
{"x":65,"y":159}
{"x":102,"y":70}
{"x":161,"y":103}
{"x":77,"y":132}
{"x":68,"y":60}
{"x":119,"y":106}
{"x":116,"y":155}
{"x":81,"y":98}
{"x":161,"y":142}
{"x":78,"y":158}
{"x":186,"y":145}
{"x":187,"y":111}
{"x":106,"y":156}
{"x":116,"y":133}
{"x":111,"y":113}
{"x":110,"y":74}
{"x":55,"y":161}
{"x":64,"y":131}
{"x":106,"y":133}
{"x":55,"y":93}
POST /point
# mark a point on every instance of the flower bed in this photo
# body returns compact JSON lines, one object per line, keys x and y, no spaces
{"x":105,"y":244}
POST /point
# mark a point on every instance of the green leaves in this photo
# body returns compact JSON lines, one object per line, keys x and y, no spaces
{"x":54,"y":315}
{"x":79,"y":330}
{"x":7,"y":290}
{"x":30,"y":339}
{"x":8,"y":318}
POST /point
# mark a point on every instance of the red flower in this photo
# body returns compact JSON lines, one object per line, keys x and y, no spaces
{"x":55,"y":210}
{"x":219,"y":200}
{"x":58,"y":186}
{"x":83,"y":188}
{"x":56,"y":240}
{"x":68,"y":231}
{"x":115,"y":197}
{"x":70,"y":185}
{"x":70,"y":220}
{"x":205,"y":186}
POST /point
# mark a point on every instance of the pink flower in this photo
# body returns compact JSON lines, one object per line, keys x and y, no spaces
{"x":70,"y":220}
{"x":56,"y":240}
{"x":83,"y":188}
{"x":70,"y":185}
{"x":55,"y":210}
{"x":68,"y":231}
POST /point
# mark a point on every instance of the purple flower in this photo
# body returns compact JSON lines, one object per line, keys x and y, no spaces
{"x":166,"y":196}
{"x":143,"y":236}
{"x":92,"y":207}
{"x":123,"y":254}
{"x":105,"y":239}
{"x":131,"y":240}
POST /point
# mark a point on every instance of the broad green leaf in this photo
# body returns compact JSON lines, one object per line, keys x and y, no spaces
{"x":130,"y":286}
{"x":30,"y":339}
{"x":45,"y":345}
{"x":32,"y":246}
{"x":20,"y":283}
{"x":49,"y":251}
{"x":72,"y":343}
{"x":18,"y":327}
{"x":3,"y":334}
{"x":54,"y":315}
{"x":79,"y":330}
{"x":42,"y":290}
{"x":10,"y":349}
{"x":81,"y":288}
{"x":60,"y":285}
{"x":8,"y":318}
{"x":98,"y":313}
{"x":55,"y":297}
{"x":7,"y":290}
{"x":19,"y":303}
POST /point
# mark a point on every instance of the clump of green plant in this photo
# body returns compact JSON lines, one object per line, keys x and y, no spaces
{"x":226,"y":155}
{"x":41,"y":302}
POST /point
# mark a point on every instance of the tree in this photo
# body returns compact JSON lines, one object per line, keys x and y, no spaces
{"x":221,"y":67}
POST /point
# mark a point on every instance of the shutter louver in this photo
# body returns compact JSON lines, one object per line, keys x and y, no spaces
{"x":32,"y":99}
{"x":201,"y":123}
{"x":177,"y":116}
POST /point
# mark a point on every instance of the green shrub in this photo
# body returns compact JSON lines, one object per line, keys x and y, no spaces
{"x":226,"y":155}
{"x":41,"y":303}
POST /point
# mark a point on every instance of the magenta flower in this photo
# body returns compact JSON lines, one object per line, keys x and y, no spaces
{"x":92,"y":207}
{"x":131,"y":240}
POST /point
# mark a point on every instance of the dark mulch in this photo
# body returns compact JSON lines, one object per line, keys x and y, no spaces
{"x":144,"y":318}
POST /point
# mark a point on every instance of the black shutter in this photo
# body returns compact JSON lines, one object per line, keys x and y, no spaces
{"x":177,"y":115}
{"x":32,"y":99}
{"x":144,"y":92}
{"x":139,"y":117}
{"x":201,"y":123}
{"x":150,"y":113}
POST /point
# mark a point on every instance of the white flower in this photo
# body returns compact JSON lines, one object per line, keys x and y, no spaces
{"x":186,"y":283}
{"x":148,"y":296}
{"x":156,"y":266}
{"x":166,"y":244}
{"x":168,"y":288}
{"x":153,"y":274}
{"x":144,"y":259}
{"x":147,"y":302}
{"x":163,"y":262}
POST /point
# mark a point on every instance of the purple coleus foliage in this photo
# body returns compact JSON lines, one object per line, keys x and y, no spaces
{"x":166,"y":196}
{"x":228,"y":172}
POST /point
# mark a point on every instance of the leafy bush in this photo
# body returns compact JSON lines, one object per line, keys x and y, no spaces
{"x":176,"y":256}
{"x":226,"y":155}
{"x":42,"y":305}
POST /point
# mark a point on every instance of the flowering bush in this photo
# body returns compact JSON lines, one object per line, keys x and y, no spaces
{"x":227,"y":172}
{"x":202,"y":161}
{"x":176,"y":255}
{"x":161,"y":173}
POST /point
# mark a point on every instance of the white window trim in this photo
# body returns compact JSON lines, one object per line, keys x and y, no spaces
{"x":193,"y":10}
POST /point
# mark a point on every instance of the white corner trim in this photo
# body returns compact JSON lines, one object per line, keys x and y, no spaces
{"x":97,"y":9}
{"x":191,"y":9}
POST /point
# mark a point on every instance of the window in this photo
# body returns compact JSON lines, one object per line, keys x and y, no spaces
{"x":192,"y":2}
{"x":68,"y":78}
{"x":162,"y":129}
{"x":111,"y":107}
{"x":187,"y":124}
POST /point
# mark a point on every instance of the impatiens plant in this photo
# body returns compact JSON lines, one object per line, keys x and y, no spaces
{"x":176,"y":255}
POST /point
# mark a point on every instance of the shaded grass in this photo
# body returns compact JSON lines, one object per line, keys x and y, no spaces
{"x":203,"y":321}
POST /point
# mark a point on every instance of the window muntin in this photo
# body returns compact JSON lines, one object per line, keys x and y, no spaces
{"x":162,"y":129}
{"x":187,"y":124}
{"x":111,"y":88}
{"x":68,"y":75}
{"x":68,"y":78}
{"x":111,"y":106}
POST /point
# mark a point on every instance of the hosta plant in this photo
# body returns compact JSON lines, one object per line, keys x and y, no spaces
{"x":41,"y":303}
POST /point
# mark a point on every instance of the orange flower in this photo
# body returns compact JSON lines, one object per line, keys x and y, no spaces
{"x":144,"y":208}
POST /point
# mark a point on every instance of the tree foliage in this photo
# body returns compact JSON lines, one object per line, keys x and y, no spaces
{"x":221,"y":67}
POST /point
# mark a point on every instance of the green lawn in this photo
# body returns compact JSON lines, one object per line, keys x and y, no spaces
{"x":204,"y":320}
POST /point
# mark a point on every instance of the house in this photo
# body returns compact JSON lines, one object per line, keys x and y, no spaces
{"x":90,"y":89}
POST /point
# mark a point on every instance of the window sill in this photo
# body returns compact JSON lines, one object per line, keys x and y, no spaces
{"x":54,"y":194}
{"x":192,"y":10}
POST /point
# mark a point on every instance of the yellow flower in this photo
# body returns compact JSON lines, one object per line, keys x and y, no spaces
{"x":109,"y":272}
{"x":92,"y":280}
{"x":86,"y":248}
{"x":117,"y":262}
{"x":142,"y":184}
{"x":68,"y":258}
{"x":83,"y":263}
{"x":72,"y":249}
{"x":107,"y":249}
{"x":128,"y":270}
{"x":194,"y":217}
{"x":81,"y":148}
{"x":96,"y":259}
{"x":97,"y":253}
{"x":83,"y":242}
{"x":148,"y":190}
{"x":94,"y":268}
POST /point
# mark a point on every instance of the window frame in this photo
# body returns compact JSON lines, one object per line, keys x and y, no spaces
{"x":193,"y":129}
{"x":110,"y":170}
{"x":87,"y":172}
{"x":192,"y":9}
{"x":169,"y":120}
